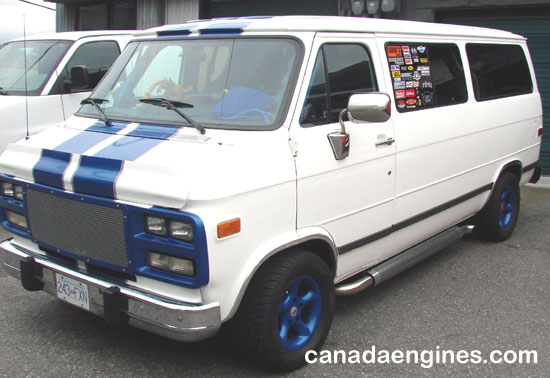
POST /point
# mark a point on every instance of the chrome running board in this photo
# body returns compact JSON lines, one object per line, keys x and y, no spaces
{"x":382,"y":272}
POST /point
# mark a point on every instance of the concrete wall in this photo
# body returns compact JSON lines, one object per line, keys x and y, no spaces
{"x":64,"y":18}
{"x":150,"y":13}
{"x":178,"y":11}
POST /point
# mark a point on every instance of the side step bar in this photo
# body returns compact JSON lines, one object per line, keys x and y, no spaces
{"x":401,"y":262}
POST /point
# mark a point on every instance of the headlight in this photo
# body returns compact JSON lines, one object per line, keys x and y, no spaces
{"x":12,"y":190}
{"x":171,"y":264}
{"x":16,"y":219}
{"x":18,"y":192}
{"x":155,"y":225}
{"x":181,"y":230}
{"x":7,"y":189}
{"x":166,"y":227}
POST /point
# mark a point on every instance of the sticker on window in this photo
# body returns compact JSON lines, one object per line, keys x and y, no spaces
{"x":411,"y":72}
{"x":394,"y":52}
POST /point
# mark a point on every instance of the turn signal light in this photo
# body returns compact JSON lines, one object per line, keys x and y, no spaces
{"x":541,"y":131}
{"x":228,"y":228}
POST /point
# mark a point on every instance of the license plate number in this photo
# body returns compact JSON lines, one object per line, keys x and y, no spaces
{"x":72,"y":291}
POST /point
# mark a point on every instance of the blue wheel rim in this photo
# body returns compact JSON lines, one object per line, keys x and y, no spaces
{"x":299,"y":313}
{"x":507,"y":208}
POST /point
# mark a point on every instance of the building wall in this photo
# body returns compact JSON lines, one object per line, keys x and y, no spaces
{"x":178,"y":11}
{"x":150,"y":13}
{"x":425,"y":10}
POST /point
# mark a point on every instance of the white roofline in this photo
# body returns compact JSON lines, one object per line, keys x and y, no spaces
{"x":74,"y":36}
{"x":335,"y":24}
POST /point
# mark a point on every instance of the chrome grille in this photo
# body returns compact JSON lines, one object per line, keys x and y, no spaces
{"x":87,"y":230}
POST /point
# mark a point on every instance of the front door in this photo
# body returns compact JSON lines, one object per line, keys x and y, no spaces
{"x":351,"y":198}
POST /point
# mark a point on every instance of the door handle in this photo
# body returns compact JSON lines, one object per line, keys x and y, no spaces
{"x":387,"y":142}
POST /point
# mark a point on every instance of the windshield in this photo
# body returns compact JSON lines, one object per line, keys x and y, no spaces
{"x":42,"y":58}
{"x":240,"y":83}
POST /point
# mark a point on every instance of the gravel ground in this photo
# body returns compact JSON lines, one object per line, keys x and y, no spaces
{"x":473,"y":295}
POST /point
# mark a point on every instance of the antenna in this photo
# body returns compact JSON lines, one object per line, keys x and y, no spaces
{"x":26,"y":91}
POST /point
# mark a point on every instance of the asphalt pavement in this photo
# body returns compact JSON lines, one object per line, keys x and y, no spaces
{"x":473,"y":295}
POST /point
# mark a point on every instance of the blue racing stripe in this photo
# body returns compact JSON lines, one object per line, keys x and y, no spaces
{"x":49,"y":169}
{"x":113,"y":127}
{"x":82,"y":142}
{"x":184,"y":29}
{"x":85,"y":140}
{"x":154,"y":131}
{"x":137,"y":142}
{"x":97,"y":176}
{"x":225,"y":28}
{"x":128,"y":148}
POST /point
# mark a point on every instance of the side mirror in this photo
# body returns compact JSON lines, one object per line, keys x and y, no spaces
{"x":362,"y":107}
{"x":369,"y":107}
{"x":79,"y":78}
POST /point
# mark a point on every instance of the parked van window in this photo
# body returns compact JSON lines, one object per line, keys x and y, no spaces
{"x":426,"y":75}
{"x":348,"y":69}
{"x":41,"y":57}
{"x":97,"y":57}
{"x":498,"y":71}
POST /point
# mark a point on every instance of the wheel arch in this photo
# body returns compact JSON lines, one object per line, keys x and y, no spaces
{"x":515,"y":167}
{"x":320,"y":244}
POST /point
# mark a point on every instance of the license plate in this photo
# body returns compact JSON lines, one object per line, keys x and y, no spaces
{"x":72,"y":291}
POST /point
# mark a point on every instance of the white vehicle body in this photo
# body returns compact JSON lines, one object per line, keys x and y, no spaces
{"x":284,"y":184}
{"x":47,"y":106}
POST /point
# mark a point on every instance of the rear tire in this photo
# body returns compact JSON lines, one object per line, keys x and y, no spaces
{"x":286,"y":311}
{"x":499,"y":217}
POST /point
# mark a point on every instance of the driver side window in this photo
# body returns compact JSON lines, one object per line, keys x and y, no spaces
{"x":340,"y":70}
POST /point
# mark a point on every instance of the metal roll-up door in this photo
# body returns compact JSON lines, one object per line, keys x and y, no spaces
{"x":233,"y":8}
{"x":534,"y":24}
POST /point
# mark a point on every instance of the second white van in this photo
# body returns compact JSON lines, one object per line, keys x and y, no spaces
{"x":37,"y":87}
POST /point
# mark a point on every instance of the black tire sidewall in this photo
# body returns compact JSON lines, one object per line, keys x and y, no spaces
{"x":490,"y":219}
{"x":316,"y":269}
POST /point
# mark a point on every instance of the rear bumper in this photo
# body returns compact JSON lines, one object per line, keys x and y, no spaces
{"x":119,"y":305}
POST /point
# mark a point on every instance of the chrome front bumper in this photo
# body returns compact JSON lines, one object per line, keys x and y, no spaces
{"x":117,"y":304}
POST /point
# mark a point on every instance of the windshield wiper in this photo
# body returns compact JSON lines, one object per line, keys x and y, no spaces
{"x":174,"y":105}
{"x":96,"y":102}
{"x":3,"y":92}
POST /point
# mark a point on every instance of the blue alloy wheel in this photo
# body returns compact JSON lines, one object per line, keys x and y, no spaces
{"x":507,"y":207}
{"x":299,"y":313}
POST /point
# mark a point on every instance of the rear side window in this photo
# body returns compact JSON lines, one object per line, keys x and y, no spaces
{"x":340,"y":71}
{"x":97,"y":57}
{"x":426,"y":75}
{"x":498,"y":71}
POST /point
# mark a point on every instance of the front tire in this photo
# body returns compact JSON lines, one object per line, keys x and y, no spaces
{"x":286,"y":311}
{"x":499,"y":217}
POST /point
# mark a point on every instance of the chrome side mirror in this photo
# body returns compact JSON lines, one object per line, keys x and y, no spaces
{"x":362,"y":107}
{"x":369,"y":107}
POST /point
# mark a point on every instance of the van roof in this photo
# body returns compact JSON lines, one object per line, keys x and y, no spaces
{"x":323,"y":24}
{"x":76,"y":35}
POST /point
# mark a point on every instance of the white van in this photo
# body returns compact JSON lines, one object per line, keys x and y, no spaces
{"x":244,"y":171}
{"x":42,"y":67}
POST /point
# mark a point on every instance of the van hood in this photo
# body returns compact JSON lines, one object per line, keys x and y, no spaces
{"x":152,"y":165}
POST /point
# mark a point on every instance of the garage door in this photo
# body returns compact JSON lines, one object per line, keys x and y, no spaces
{"x":533,"y":23}
{"x":231,"y":8}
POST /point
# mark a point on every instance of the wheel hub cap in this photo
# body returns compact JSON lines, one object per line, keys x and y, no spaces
{"x":299,"y":313}
{"x":507,"y":208}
